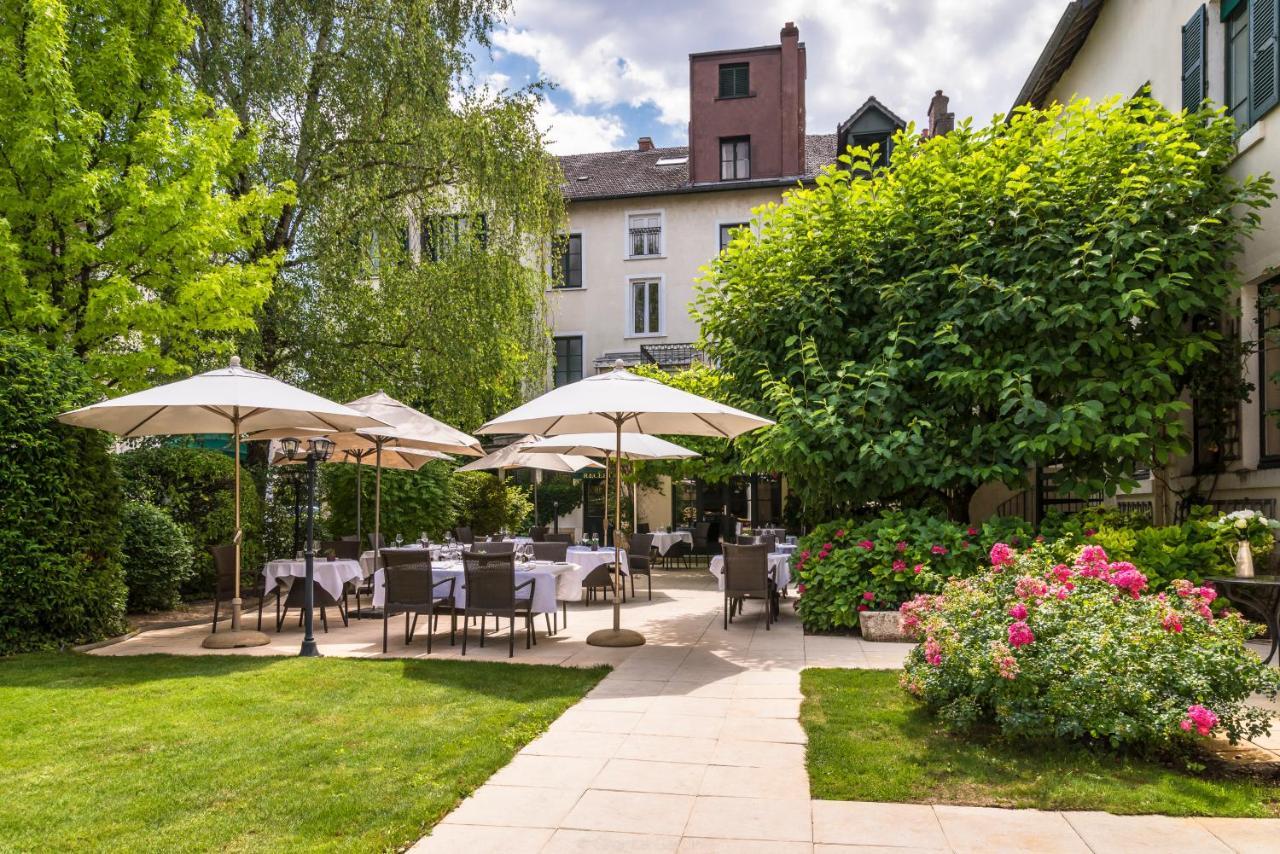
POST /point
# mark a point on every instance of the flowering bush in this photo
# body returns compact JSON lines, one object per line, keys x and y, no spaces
{"x":1248,"y":525}
{"x":1085,"y":650}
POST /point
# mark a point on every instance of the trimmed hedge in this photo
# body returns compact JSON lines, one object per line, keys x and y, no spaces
{"x":196,"y":488}
{"x":157,"y":557}
{"x":61,"y":580}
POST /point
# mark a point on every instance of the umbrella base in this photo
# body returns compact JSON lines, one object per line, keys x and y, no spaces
{"x":615,"y":637}
{"x":235,"y":639}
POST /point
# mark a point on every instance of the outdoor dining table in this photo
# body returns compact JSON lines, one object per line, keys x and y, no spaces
{"x":1258,"y":593}
{"x":584,"y":557}
{"x":779,"y":568}
{"x":331,"y":575}
{"x":664,"y":540}
{"x":553,"y":582}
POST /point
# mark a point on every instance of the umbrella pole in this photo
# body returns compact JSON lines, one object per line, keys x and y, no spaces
{"x":359,"y":497}
{"x":604,"y":525}
{"x":617,"y":636}
{"x":377,"y":506}
{"x":237,"y":637}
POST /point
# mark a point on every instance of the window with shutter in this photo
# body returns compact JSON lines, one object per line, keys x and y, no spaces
{"x":1193,"y":60}
{"x":1264,"y":67}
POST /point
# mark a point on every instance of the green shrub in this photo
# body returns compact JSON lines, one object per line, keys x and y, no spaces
{"x":157,"y":557}
{"x":61,"y":580}
{"x":196,"y":488}
{"x":1089,"y":651}
{"x":412,"y":501}
{"x":486,"y":505}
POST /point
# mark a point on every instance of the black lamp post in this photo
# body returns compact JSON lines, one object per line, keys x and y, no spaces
{"x":555,"y":516}
{"x":316,"y":451}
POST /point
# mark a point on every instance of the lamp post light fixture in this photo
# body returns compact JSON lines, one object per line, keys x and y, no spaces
{"x":316,"y":451}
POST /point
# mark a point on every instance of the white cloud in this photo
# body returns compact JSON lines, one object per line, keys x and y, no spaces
{"x":607,"y":57}
{"x":574,"y":133}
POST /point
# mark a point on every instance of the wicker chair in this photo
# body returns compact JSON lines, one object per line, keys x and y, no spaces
{"x":562,"y":537}
{"x":500,"y":547}
{"x":464,"y":535}
{"x":322,"y":598}
{"x":558,"y":552}
{"x":638,"y":561}
{"x":746,"y":576}
{"x":224,"y":585}
{"x":490,"y":581}
{"x":679,"y":552}
{"x":538,"y":533}
{"x":642,"y":528}
{"x":377,"y":541}
{"x":411,"y":589}
{"x":702,"y":538}
{"x":600,"y":578}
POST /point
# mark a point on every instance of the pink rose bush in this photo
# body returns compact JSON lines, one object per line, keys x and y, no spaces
{"x":1081,"y":647}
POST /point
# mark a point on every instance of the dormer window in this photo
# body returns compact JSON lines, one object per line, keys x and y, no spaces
{"x":735,"y":80}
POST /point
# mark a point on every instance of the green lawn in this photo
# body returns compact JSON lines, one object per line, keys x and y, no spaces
{"x":871,"y":741}
{"x":174,"y":753}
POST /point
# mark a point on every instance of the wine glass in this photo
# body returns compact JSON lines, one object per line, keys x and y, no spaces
{"x":399,"y":540}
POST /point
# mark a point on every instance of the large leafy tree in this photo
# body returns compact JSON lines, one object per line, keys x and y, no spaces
{"x":1029,"y":293}
{"x":368,"y":109}
{"x":115,"y":240}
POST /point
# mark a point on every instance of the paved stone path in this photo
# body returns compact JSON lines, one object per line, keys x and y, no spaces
{"x":693,"y":744}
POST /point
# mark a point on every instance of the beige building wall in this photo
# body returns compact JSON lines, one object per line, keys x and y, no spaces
{"x":690,"y":240}
{"x":1138,"y":42}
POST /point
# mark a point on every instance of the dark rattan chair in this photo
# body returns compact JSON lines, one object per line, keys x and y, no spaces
{"x":411,"y":589}
{"x":538,"y":533}
{"x":501,"y":547}
{"x":558,"y":552}
{"x":562,"y":537}
{"x":638,"y":561}
{"x":322,"y":600}
{"x":680,"y":553}
{"x":464,"y":535}
{"x":224,"y":585}
{"x":642,"y":528}
{"x":378,"y":541}
{"x":746,"y":576}
{"x":598,"y":580}
{"x":702,"y":538}
{"x":490,"y":581}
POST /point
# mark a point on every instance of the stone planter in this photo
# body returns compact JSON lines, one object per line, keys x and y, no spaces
{"x":883,"y":626}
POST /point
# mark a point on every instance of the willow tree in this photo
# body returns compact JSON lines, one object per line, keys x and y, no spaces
{"x":116,"y":239}
{"x":1027,"y":293}
{"x":414,"y":255}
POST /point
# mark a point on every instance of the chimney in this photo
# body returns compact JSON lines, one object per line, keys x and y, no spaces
{"x":792,"y":100}
{"x":645,"y":143}
{"x":940,"y":121}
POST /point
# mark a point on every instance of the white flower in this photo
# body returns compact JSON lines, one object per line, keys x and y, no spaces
{"x":1242,"y":523}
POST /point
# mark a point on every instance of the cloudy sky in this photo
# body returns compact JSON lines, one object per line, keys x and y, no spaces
{"x":621,"y":70}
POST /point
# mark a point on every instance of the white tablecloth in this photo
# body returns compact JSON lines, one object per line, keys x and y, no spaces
{"x":589,"y":560}
{"x":366,"y":558}
{"x":329,"y":574}
{"x":786,"y":548}
{"x":664,"y":540}
{"x":554,"y":581}
{"x":779,"y":566}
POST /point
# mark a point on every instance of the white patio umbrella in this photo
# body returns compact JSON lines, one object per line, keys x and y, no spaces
{"x":230,"y":400}
{"x":622,"y":402}
{"x":635,"y":446}
{"x":515,"y":456}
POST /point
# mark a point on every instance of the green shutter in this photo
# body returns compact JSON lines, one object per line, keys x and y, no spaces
{"x":1264,"y":67}
{"x":1193,"y":60}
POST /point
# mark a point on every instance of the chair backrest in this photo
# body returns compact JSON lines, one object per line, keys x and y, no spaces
{"x":744,"y":540}
{"x":500,"y":547}
{"x":490,"y":580}
{"x":746,"y":569}
{"x":406,"y":557}
{"x":641,"y":544}
{"x":559,"y":552}
{"x":297,"y":593}
{"x":538,"y":533}
{"x":771,"y":541}
{"x":351,"y":538}
{"x":224,"y":564}
{"x":408,"y":583}
{"x":601,"y":576}
{"x":571,"y":533}
{"x":642,"y":528}
{"x":700,"y":532}
{"x":342,"y":549}
{"x":562,"y":537}
{"x":464,"y":535}
{"x":377,"y":541}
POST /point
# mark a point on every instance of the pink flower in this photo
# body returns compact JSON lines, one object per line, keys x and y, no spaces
{"x":800,"y":589}
{"x":972,"y":531}
{"x":1040,"y":538}
{"x":804,"y":554}
{"x":1001,"y":555}
{"x":1092,"y":562}
{"x":866,"y":544}
{"x":826,"y":547}
{"x":964,"y":544}
{"x":1028,"y":586}
{"x":1201,"y":718}
{"x":840,"y":534}
{"x":902,"y":546}
{"x":1089,"y":532}
{"x":869,"y":596}
{"x":1184,"y":588}
{"x":1018,"y":611}
{"x":899,"y":565}
{"x":1062,"y":591}
{"x":932,"y":651}
{"x":1020,"y":634}
{"x":1127,"y":577}
{"x":938,"y":550}
{"x":1172,"y":622}
{"x":1017,"y":541}
{"x":862,"y":607}
{"x":1062,"y":573}
{"x":918,"y":568}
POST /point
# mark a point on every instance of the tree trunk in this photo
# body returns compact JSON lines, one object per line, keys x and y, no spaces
{"x":958,"y":502}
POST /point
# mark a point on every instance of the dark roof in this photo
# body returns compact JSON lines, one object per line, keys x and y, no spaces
{"x":871,"y":103}
{"x":618,"y":174}
{"x":1068,"y":37}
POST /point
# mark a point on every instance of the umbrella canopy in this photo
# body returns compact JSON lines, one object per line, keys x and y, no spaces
{"x":413,"y":429}
{"x":348,"y":449}
{"x":624,"y":403}
{"x":227,"y":400}
{"x":639,"y":404}
{"x":635,"y":446}
{"x":515,"y":456}
{"x":231,"y":400}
